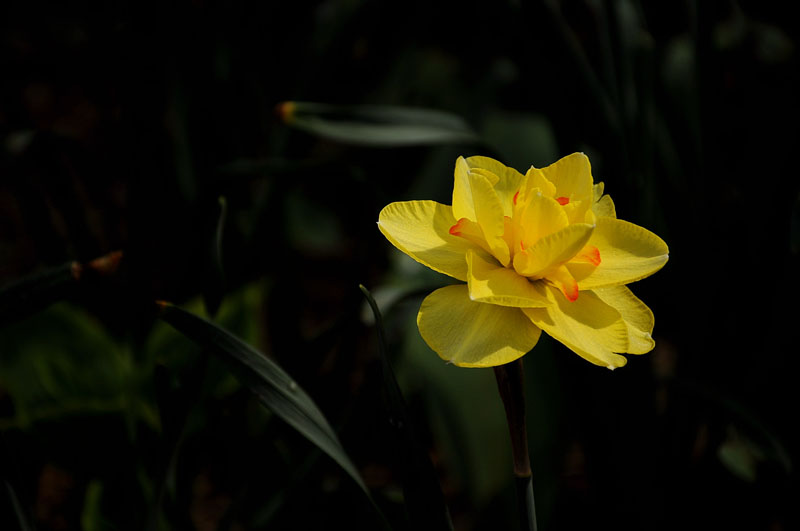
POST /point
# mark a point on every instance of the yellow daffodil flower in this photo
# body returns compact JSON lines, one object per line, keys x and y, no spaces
{"x":540,"y":251}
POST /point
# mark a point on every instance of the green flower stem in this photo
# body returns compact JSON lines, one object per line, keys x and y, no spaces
{"x":511,"y":384}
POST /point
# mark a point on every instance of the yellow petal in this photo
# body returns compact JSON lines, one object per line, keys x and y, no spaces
{"x":490,"y":283}
{"x":628,"y":253}
{"x":572,"y":177}
{"x":589,"y":254}
{"x":508,"y":183}
{"x":597,"y":191}
{"x":471,"y":231}
{"x":463,"y":205}
{"x":637,"y":316}
{"x":561,"y":278}
{"x":540,"y":216}
{"x":421,"y":230}
{"x":574,"y":209}
{"x":463,"y":189}
{"x":474,"y":334}
{"x":512,"y":235}
{"x":535,"y":178}
{"x":553,"y":250}
{"x":493,"y":178}
{"x":489,"y":215}
{"x":588,"y":326}
{"x":604,"y":207}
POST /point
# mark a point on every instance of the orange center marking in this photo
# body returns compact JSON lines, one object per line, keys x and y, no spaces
{"x":455,"y":230}
{"x":593,"y":256}
{"x":562,"y":200}
{"x":571,"y":292}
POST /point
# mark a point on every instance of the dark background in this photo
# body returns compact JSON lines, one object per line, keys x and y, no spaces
{"x":123,"y":124}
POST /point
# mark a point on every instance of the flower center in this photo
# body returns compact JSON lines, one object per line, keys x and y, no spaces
{"x":532,"y":254}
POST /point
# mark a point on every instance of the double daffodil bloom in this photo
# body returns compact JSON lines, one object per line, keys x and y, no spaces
{"x":540,"y":251}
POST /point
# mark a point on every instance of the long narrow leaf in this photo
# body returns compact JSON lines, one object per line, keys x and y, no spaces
{"x":22,"y":519}
{"x":377,"y":125}
{"x":35,"y":292}
{"x":274,"y":388}
{"x":214,"y":289}
{"x":423,"y":494}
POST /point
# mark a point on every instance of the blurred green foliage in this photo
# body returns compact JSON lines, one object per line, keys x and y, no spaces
{"x":123,"y":125}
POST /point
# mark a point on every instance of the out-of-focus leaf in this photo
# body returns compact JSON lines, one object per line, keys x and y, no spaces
{"x":579,"y":60}
{"x":270,"y":166}
{"x":521,"y":138}
{"x":268,"y":509}
{"x":274,"y":388}
{"x":390,"y":295}
{"x":91,"y":516}
{"x":174,"y":398}
{"x":406,"y":279}
{"x":223,"y":212}
{"x":749,"y":440}
{"x":35,"y":292}
{"x":424,"y":499}
{"x":75,"y":368}
{"x":214,"y":289}
{"x":22,"y":519}
{"x":772,"y":44}
{"x":740,"y":455}
{"x":311,"y":226}
{"x":680,"y":78}
{"x":377,"y":125}
{"x":39,"y":290}
{"x":467,"y":414}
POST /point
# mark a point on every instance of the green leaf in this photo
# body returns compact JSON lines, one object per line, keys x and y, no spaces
{"x":274,"y":388}
{"x":465,"y":424}
{"x":423,"y":494}
{"x":35,"y":292}
{"x":740,"y":455}
{"x":378,"y":125}
{"x":92,"y":516}
{"x":22,"y":519}
{"x":214,"y":289}
{"x":75,"y":368}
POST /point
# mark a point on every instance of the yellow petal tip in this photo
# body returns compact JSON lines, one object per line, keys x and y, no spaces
{"x":616,"y":364}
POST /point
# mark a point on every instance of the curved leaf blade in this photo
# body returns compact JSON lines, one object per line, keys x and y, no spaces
{"x":215,"y":285}
{"x":22,"y":519}
{"x":377,"y":125}
{"x":37,"y":291}
{"x":425,"y":501}
{"x":274,"y":388}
